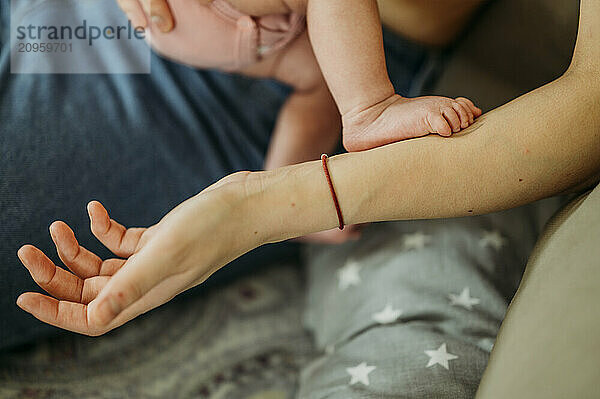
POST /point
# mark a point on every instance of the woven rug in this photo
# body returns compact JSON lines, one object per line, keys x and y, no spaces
{"x":242,"y":340}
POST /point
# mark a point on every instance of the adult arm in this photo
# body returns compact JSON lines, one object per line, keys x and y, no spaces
{"x":541,"y":144}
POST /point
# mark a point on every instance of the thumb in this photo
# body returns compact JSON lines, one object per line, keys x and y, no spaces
{"x":136,"y":278}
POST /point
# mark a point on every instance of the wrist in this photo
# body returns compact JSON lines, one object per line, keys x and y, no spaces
{"x":243,"y":191}
{"x":288,"y":202}
{"x":294,"y":201}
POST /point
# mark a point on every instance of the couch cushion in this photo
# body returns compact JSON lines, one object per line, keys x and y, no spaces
{"x":512,"y":47}
{"x":552,"y":328}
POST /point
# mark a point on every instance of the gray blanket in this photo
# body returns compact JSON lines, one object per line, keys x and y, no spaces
{"x":412,"y":309}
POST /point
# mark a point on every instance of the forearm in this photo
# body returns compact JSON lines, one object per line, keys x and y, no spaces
{"x":539,"y":145}
{"x":347,"y":41}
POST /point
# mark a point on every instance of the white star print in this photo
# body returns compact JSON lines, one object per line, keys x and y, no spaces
{"x":440,"y":356}
{"x":348,"y":275}
{"x":416,"y":240}
{"x":360,"y":373}
{"x":463,"y":299}
{"x":387,"y":315}
{"x":492,"y":238}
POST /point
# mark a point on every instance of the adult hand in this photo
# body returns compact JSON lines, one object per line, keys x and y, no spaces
{"x":143,"y":12}
{"x":152,"y":265}
{"x":156,"y":12}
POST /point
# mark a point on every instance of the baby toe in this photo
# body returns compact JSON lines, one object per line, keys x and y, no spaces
{"x":469,"y":104}
{"x":465,"y":114}
{"x":452,"y":117}
{"x":439,"y":125}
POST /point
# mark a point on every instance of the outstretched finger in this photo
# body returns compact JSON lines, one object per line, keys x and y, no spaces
{"x":53,"y":279}
{"x":119,"y":240}
{"x":64,"y":314}
{"x":75,"y":317}
{"x":57,"y":281}
{"x":79,"y":260}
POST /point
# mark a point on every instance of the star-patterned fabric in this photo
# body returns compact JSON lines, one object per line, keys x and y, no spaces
{"x":412,"y":309}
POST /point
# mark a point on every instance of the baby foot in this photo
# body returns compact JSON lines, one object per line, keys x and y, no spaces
{"x":398,"y":118}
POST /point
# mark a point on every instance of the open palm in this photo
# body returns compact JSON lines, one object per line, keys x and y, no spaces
{"x":73,"y":292}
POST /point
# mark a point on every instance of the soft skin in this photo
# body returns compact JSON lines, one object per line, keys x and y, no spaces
{"x":347,"y":42}
{"x":544,"y":143}
{"x":352,"y":58}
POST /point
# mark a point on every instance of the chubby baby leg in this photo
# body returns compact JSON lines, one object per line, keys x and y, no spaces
{"x":309,"y":123}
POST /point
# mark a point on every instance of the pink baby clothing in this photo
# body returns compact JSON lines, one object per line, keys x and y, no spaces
{"x":219,"y":36}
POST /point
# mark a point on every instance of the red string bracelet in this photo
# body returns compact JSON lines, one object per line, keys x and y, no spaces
{"x":333,"y":194}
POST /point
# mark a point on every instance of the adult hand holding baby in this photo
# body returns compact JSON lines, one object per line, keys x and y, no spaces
{"x":143,"y":12}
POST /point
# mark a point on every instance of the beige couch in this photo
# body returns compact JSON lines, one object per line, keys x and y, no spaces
{"x":513,"y":47}
{"x":248,"y":337}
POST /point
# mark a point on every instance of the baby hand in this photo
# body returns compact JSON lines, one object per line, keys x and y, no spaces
{"x":398,"y":118}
